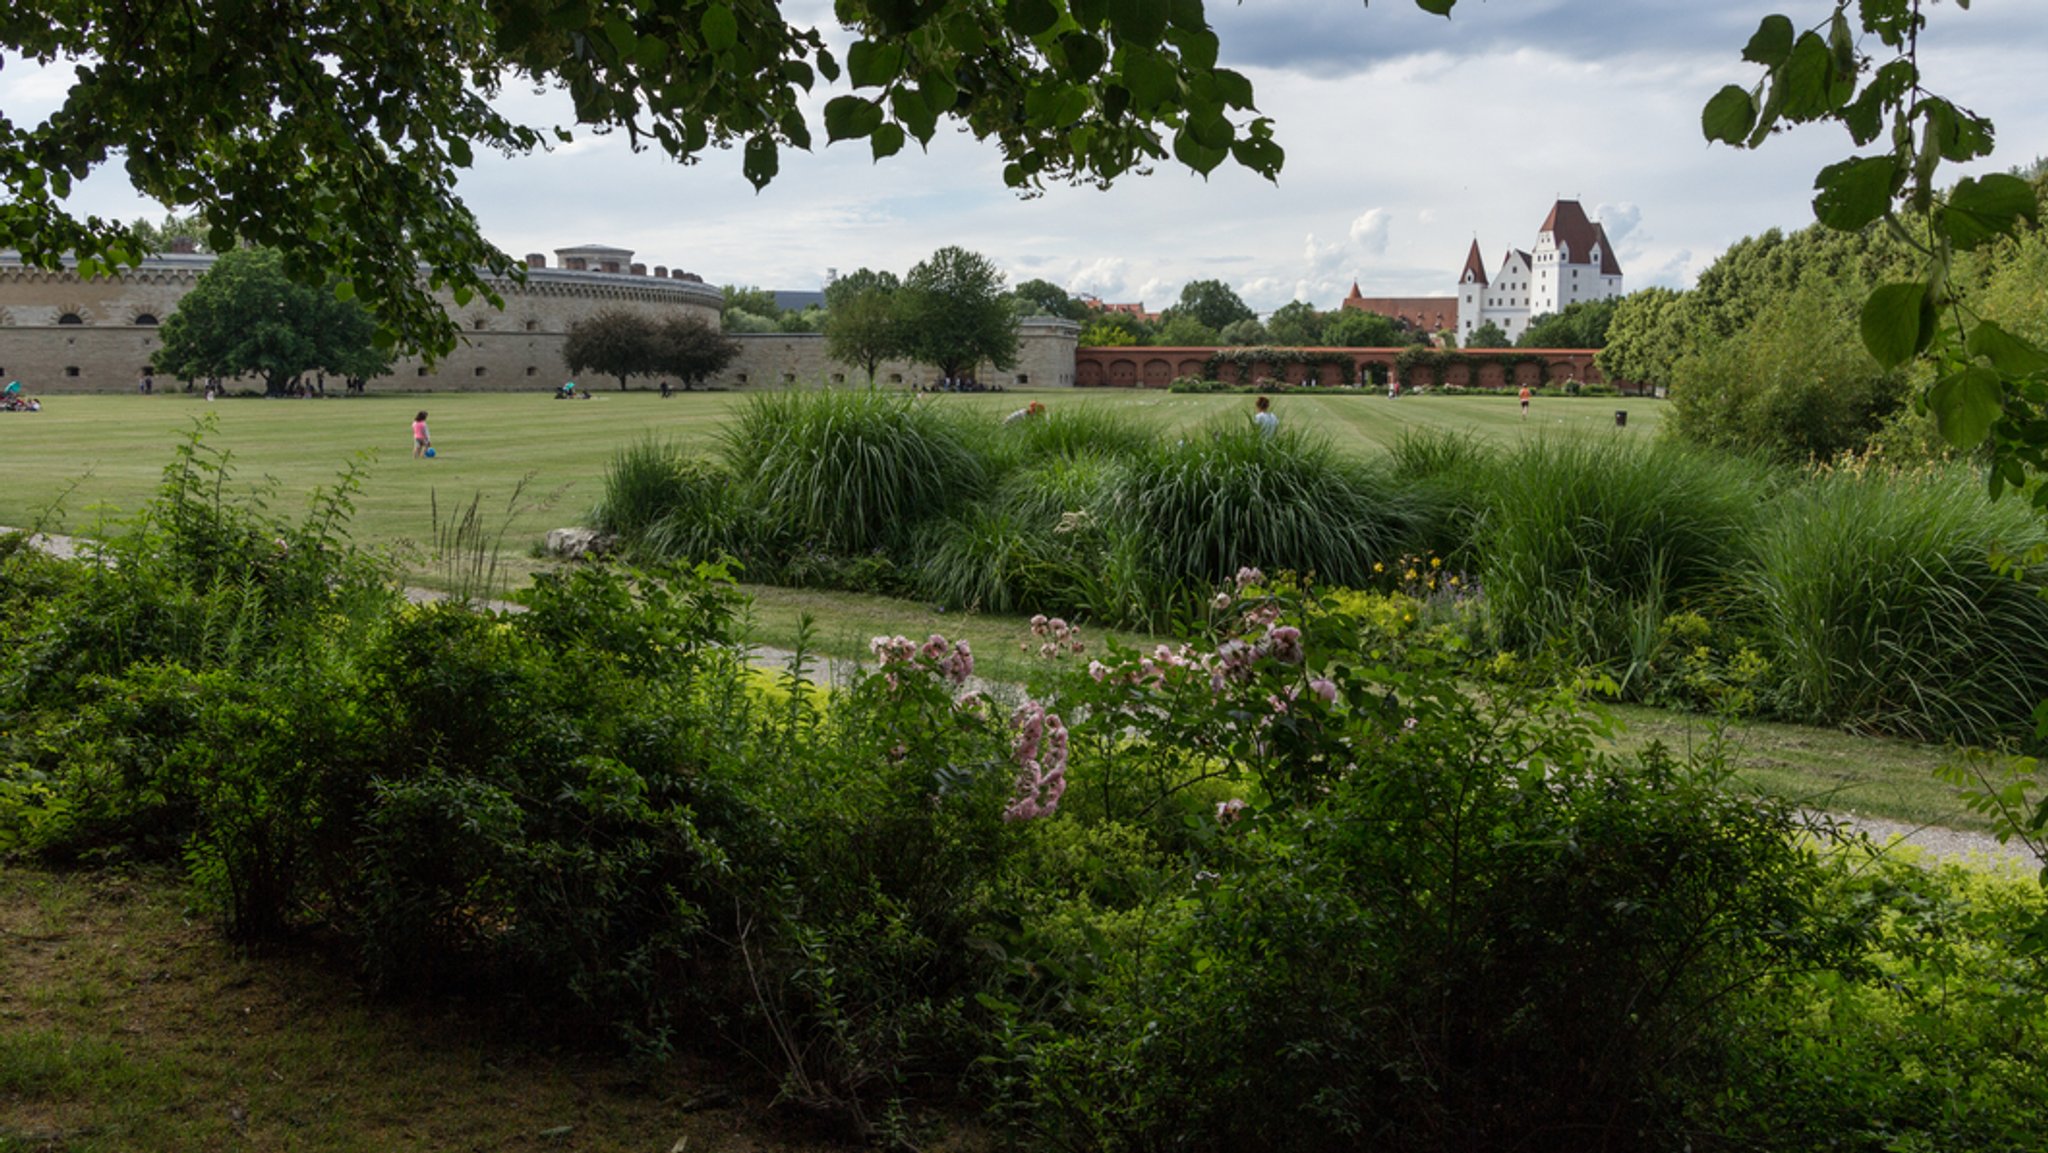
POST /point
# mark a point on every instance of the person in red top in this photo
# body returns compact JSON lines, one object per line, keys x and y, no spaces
{"x":1525,"y":402}
{"x":421,"y":442}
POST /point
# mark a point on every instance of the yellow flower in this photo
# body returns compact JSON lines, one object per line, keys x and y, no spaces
{"x":1411,"y":574}
{"x":1436,"y":562}
{"x":1378,"y":567}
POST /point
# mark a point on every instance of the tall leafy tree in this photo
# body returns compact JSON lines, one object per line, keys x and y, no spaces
{"x":1183,"y":330}
{"x":612,"y":342}
{"x":1488,"y":335}
{"x":955,"y":313}
{"x":690,"y":350}
{"x":246,"y":317}
{"x":1214,"y":304}
{"x":1296,"y":323}
{"x":1357,"y":328}
{"x":1581,"y":324}
{"x":1044,"y":298}
{"x":1646,"y":337}
{"x":862,"y":327}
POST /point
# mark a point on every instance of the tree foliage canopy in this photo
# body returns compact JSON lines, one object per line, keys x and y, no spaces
{"x":956,"y":314}
{"x":862,"y":327}
{"x":245,"y":316}
{"x":335,"y":129}
{"x":1212,"y":303}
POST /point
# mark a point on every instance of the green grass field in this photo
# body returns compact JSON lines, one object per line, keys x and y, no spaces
{"x":103,"y":454}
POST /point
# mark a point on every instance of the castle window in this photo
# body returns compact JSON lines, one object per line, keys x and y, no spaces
{"x":1023,"y":378}
{"x":895,"y":378}
{"x":532,"y":371}
{"x":70,"y":318}
{"x":145,"y":318}
{"x":479,"y":371}
{"x":743,"y":378}
{"x":477,"y":324}
{"x":789,"y":378}
{"x":533,"y":326}
{"x":420,"y":371}
{"x":71,"y":370}
{"x":838,"y":378}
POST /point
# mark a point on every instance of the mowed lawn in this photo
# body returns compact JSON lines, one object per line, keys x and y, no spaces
{"x":91,"y":456}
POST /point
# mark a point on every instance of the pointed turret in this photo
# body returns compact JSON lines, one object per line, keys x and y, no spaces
{"x":1355,"y":294}
{"x":1475,"y":267}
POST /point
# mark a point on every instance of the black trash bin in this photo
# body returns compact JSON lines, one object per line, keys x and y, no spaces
{"x":1621,"y":418}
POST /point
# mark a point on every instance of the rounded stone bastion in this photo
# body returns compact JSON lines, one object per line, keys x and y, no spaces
{"x":60,"y":333}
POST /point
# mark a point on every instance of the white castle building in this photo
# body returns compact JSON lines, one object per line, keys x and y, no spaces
{"x":1572,"y":261}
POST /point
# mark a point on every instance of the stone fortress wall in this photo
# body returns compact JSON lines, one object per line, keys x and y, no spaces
{"x":61,"y":334}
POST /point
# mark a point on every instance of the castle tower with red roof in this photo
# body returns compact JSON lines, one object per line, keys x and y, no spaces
{"x":1572,"y":262}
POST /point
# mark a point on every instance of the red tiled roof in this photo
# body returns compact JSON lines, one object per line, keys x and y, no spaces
{"x":1609,"y":266}
{"x":1428,"y":313}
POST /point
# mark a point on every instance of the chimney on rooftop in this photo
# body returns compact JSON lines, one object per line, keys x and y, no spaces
{"x":536,"y":260}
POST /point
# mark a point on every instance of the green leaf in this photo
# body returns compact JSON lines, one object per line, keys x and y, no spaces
{"x":1805,"y":78}
{"x":799,"y":73}
{"x":1138,"y":21}
{"x":2007,"y":353}
{"x":1985,"y":208}
{"x":1235,"y":90}
{"x":458,"y":152}
{"x":1085,"y":54}
{"x":1841,"y":46}
{"x":760,"y":161}
{"x":886,"y":141}
{"x":1966,"y":404}
{"x":1260,"y":155}
{"x":1031,"y":17}
{"x":1150,"y":80}
{"x":873,"y":65}
{"x":1196,"y":155}
{"x":1436,"y":7}
{"x":851,"y":117}
{"x":1854,"y":192}
{"x":1772,"y":42}
{"x":720,"y":27}
{"x":913,"y":113}
{"x":1729,"y":116}
{"x":1898,"y":321}
{"x":344,"y":289}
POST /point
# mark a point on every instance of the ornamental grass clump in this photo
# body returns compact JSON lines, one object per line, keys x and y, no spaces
{"x":1227,"y":497}
{"x":1584,"y":541}
{"x":1878,"y":594}
{"x":662,"y":503}
{"x":852,"y":470}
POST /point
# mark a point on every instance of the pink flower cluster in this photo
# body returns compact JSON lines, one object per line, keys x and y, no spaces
{"x":952,"y":661}
{"x":1041,"y":751}
{"x":1056,"y":637}
{"x":1249,"y":576}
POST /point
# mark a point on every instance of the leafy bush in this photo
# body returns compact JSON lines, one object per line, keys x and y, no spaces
{"x":1877,"y":594}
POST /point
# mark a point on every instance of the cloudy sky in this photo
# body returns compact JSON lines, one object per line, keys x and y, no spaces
{"x":1407,"y":137}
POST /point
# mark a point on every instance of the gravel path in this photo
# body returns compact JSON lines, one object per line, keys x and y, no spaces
{"x":1940,"y":844}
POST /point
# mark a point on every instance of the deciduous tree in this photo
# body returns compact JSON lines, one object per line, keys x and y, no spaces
{"x":1488,"y":335}
{"x":861,"y":324}
{"x":612,"y":342}
{"x":245,"y":316}
{"x":955,"y":313}
{"x":1212,"y":303}
{"x":689,"y":349}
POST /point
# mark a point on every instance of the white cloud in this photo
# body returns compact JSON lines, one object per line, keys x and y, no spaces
{"x":1369,"y":231}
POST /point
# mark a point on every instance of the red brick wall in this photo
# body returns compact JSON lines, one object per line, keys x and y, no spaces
{"x":1135,"y":367}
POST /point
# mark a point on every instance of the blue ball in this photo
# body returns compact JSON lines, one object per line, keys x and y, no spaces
{"x":430,"y":452}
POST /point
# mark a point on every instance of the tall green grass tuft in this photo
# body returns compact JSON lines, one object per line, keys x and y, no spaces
{"x":1878,"y":594}
{"x":1450,"y":474}
{"x":1228,"y":497}
{"x":662,"y":503}
{"x":1588,"y":543}
{"x":1073,"y":431}
{"x":852,"y":470}
{"x":1042,"y":543}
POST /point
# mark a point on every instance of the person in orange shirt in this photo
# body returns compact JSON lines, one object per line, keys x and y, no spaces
{"x":1525,"y":402}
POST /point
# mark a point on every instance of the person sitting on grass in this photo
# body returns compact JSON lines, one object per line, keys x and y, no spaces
{"x":1025,"y":413}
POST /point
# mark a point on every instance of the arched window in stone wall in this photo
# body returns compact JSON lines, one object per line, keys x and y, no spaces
{"x":70,"y":318}
{"x":145,"y":318}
